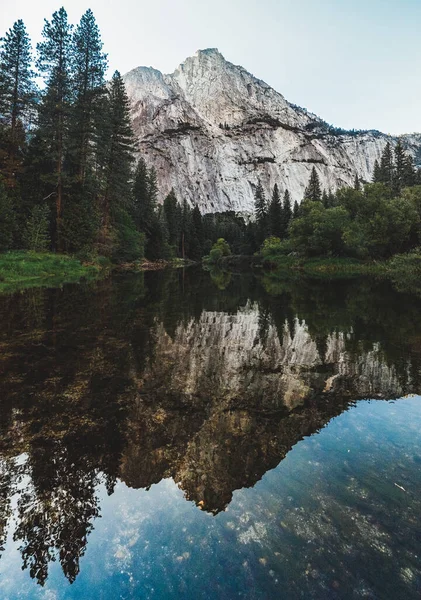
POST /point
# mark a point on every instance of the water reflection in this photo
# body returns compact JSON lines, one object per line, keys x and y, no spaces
{"x":172,"y":375}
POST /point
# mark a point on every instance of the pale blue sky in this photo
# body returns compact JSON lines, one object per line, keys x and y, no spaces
{"x":356,"y":63}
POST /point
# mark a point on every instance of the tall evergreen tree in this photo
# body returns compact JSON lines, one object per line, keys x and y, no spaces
{"x":143,"y":205}
{"x":404,"y":174}
{"x":400,"y":168}
{"x":287,"y":211}
{"x":261,"y":212}
{"x":172,"y":219}
{"x":186,"y":226}
{"x":197,"y":235}
{"x":17,"y":87}
{"x":357,"y":184}
{"x":295,"y":210}
{"x":54,"y":63}
{"x":386,"y":173}
{"x":260,"y":204}
{"x":17,"y":94}
{"x":275,"y":214}
{"x":409,"y":172}
{"x":377,"y":172}
{"x":119,"y":152}
{"x":89,"y":65}
{"x":313,"y":190}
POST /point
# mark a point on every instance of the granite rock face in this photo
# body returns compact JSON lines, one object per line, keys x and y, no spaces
{"x":212,"y":130}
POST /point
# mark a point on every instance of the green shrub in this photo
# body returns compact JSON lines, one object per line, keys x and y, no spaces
{"x":36,"y":233}
{"x":219,"y":249}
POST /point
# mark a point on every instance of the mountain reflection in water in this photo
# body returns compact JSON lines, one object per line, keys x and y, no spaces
{"x":143,"y":378}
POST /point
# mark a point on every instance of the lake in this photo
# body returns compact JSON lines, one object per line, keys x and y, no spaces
{"x":192,"y":435}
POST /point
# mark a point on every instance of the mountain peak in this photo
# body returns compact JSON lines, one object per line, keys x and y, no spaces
{"x":209,"y":52}
{"x":212,"y":130}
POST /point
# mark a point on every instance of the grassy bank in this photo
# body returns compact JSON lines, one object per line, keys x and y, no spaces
{"x":20,"y":270}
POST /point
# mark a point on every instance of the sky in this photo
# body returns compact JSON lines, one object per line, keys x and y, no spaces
{"x":355,"y":63}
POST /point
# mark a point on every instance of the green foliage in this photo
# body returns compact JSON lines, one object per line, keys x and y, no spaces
{"x":54,"y":56}
{"x":275,"y":214}
{"x":287,"y":214}
{"x":7,"y":220}
{"x":215,"y":255}
{"x":119,"y":150}
{"x":173,"y":219}
{"x":313,"y":190}
{"x":219,"y":250}
{"x":80,"y":225}
{"x":36,"y":234}
{"x":144,"y":202}
{"x":17,"y":88}
{"x":30,"y":269}
{"x":368,"y":223}
{"x":396,"y":169}
{"x":261,"y":214}
{"x":197,"y":235}
{"x":88,"y":65}
{"x":405,"y":271}
{"x":130,"y":242}
{"x":318,"y":230}
{"x":274,"y":246}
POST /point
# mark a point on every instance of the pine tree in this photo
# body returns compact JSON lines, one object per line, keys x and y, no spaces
{"x":260,"y":204}
{"x":17,"y":95}
{"x":54,"y":63}
{"x":119,"y":152}
{"x":386,"y":172}
{"x":409,"y":172}
{"x":357,"y":185}
{"x":172,"y":219}
{"x":376,"y":172}
{"x":186,"y":226}
{"x":158,"y":246}
{"x":400,"y":168}
{"x":261,"y":212}
{"x":89,"y":64}
{"x":287,"y":211}
{"x":197,"y":235}
{"x":144,"y":204}
{"x":313,"y":190}
{"x":275,"y":214}
{"x":296,"y":210}
{"x":17,"y":87}
{"x":152,"y":187}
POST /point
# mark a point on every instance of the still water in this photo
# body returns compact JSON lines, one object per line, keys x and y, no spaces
{"x":180,"y":435}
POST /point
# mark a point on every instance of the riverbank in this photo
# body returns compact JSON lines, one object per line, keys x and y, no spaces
{"x":404,"y":270}
{"x":21,"y":269}
{"x":156,"y":265}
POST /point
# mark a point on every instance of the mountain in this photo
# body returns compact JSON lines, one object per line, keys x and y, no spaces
{"x":212,"y":130}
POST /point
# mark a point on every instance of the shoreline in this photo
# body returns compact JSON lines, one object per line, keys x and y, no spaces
{"x":22,"y":270}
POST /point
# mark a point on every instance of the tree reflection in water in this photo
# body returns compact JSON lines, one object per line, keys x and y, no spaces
{"x":174,"y":375}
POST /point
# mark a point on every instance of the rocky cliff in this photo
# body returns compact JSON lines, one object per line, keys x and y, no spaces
{"x":212,"y":130}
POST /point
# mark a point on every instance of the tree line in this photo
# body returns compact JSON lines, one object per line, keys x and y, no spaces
{"x":68,"y":180}
{"x":371,"y":221}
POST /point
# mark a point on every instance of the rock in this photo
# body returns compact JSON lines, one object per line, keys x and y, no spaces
{"x":212,"y":131}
